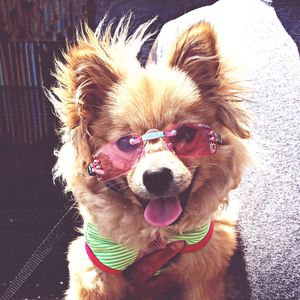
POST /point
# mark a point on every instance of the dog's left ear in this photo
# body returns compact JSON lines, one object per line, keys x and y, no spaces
{"x":196,"y":53}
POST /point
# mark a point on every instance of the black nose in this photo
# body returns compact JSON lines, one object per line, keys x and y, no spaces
{"x":157,"y":181}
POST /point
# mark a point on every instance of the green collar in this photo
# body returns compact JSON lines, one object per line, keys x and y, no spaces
{"x":113,"y":258}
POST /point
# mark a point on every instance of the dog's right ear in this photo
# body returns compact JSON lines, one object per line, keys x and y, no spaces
{"x":92,"y":66}
{"x":83,"y":80}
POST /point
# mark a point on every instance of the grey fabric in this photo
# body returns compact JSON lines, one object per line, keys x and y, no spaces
{"x":252,"y":37}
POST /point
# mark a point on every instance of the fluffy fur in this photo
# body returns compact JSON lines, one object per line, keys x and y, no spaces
{"x":104,"y":93}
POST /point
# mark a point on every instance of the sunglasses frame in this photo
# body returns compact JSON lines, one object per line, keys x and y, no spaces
{"x":94,"y":168}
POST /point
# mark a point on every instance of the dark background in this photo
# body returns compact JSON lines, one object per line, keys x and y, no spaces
{"x":31,"y":33}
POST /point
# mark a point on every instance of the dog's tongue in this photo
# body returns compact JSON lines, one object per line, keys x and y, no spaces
{"x":163,"y":212}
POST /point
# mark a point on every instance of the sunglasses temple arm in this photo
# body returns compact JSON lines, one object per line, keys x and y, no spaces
{"x":91,"y":170}
{"x":215,"y":137}
{"x":219,"y":139}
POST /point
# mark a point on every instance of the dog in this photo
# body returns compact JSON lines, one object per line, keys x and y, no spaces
{"x":150,"y":154}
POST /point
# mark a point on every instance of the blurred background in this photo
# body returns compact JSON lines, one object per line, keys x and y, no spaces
{"x":32,"y":33}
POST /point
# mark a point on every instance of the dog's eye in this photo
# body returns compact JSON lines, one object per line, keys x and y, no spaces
{"x":124,"y":144}
{"x":185,"y":134}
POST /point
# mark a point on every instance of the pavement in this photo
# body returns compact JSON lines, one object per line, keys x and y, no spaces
{"x":253,"y":38}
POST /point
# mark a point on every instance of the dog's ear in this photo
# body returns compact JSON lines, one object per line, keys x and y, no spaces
{"x":83,"y":80}
{"x":196,"y":53}
{"x":98,"y":61}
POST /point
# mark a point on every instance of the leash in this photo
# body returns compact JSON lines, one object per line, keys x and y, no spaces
{"x":46,"y":247}
{"x":39,"y":254}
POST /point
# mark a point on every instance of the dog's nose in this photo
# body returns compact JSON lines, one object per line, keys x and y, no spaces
{"x":157,"y":181}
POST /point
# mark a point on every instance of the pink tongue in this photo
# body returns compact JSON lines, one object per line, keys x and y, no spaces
{"x":163,"y":212}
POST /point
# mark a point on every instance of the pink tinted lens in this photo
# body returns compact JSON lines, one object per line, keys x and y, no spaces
{"x":192,"y":140}
{"x":116,"y":158}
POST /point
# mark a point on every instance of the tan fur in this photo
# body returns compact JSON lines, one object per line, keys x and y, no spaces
{"x":104,"y":94}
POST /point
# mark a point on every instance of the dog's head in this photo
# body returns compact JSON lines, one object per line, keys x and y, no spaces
{"x":137,"y":119}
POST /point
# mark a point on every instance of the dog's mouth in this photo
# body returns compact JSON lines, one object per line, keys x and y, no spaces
{"x":161,"y":211}
{"x":165,"y":211}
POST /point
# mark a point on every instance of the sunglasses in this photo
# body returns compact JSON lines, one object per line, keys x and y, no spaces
{"x":185,"y":140}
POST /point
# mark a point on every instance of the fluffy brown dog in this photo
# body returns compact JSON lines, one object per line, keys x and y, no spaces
{"x":149,"y":188}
